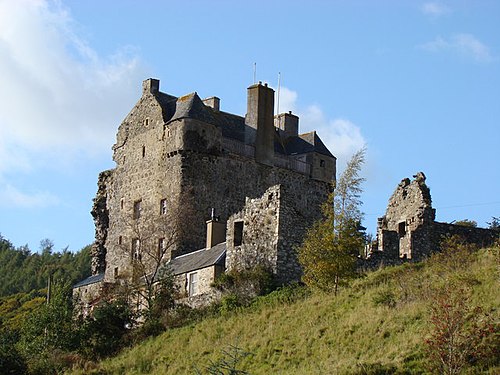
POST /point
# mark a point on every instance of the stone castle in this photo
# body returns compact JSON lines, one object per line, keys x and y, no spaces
{"x":207,"y":192}
{"x":180,"y":158}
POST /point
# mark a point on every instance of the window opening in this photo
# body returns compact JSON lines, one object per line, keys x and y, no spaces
{"x":136,"y":249}
{"x":238,"y":233}
{"x":402,"y":229}
{"x":143,"y":151}
{"x":115,"y":273}
{"x":137,"y":209}
{"x":163,"y":207}
{"x":321,"y":163}
{"x":193,"y":283}
{"x":120,"y":239}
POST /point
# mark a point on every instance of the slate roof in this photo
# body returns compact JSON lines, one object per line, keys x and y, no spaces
{"x":233,"y":126}
{"x":90,"y":280}
{"x":198,"y":259}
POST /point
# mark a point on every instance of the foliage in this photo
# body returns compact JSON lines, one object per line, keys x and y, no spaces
{"x":227,"y":364}
{"x":494,"y":223}
{"x":466,"y":223}
{"x":240,"y":287}
{"x":461,"y":334}
{"x":329,"y":252}
{"x":49,"y":329}
{"x":24,"y":271}
{"x":103,"y":333}
{"x":11,"y":361}
{"x":294,"y":330}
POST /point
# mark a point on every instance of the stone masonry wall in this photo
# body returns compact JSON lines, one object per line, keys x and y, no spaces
{"x":259,"y":241}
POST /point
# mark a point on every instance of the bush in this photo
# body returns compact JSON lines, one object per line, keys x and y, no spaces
{"x":245,"y":285}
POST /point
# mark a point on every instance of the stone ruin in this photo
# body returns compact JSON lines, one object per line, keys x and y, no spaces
{"x":409,"y":231}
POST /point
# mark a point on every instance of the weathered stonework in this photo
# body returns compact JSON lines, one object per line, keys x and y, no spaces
{"x":408,"y":230}
{"x":180,"y":154}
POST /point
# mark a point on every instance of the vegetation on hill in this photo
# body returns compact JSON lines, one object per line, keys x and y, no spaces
{"x":22,"y":271}
{"x":439,"y":316}
{"x":26,"y":320}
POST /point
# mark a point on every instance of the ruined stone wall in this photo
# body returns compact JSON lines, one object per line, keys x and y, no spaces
{"x":259,"y":238}
{"x":409,"y":208}
{"x":100,"y":213}
{"x":479,"y":236}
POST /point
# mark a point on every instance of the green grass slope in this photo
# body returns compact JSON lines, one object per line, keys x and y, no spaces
{"x":375,"y":326}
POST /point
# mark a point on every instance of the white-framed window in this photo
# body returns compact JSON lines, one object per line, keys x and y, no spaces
{"x":163,"y":207}
{"x":136,"y":249}
{"x":193,"y":284}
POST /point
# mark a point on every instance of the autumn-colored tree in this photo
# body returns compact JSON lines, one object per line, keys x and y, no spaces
{"x":461,"y":334}
{"x":330,"y":248}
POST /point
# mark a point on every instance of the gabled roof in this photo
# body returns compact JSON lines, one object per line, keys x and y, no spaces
{"x":90,"y":280}
{"x":233,"y":126}
{"x":198,"y":259}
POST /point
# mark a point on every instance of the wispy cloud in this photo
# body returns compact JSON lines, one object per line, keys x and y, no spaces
{"x":340,"y":135}
{"x":59,"y":99}
{"x":434,"y":9}
{"x":465,"y":45}
{"x":13,"y":197}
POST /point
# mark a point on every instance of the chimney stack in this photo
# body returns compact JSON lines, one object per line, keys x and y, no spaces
{"x":216,"y":231}
{"x":151,"y":86}
{"x":260,"y":122}
{"x":288,"y":124}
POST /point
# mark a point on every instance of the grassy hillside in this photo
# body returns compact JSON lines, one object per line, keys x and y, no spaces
{"x":375,"y":326}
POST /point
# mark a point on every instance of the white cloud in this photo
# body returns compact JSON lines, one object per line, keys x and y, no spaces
{"x":341,"y":136}
{"x":59,"y":99}
{"x":435,"y":9}
{"x":12,"y":197}
{"x":466,"y":45}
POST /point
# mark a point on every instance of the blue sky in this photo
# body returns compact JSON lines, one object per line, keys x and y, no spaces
{"x":418,"y":82}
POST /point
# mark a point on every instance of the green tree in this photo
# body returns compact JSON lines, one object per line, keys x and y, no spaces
{"x":49,"y":330}
{"x":330,"y":248}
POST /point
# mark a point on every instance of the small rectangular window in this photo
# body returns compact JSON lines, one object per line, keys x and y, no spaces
{"x":143,"y":151}
{"x":163,"y":207}
{"x":137,"y":209}
{"x":115,"y":273}
{"x":120,"y":239}
{"x":238,"y":233}
{"x":136,"y":249}
{"x":321,"y":163}
{"x":121,"y":204}
{"x":193,"y":284}
{"x":402,"y":229}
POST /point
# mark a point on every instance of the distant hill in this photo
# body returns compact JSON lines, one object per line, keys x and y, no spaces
{"x":378,"y":325}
